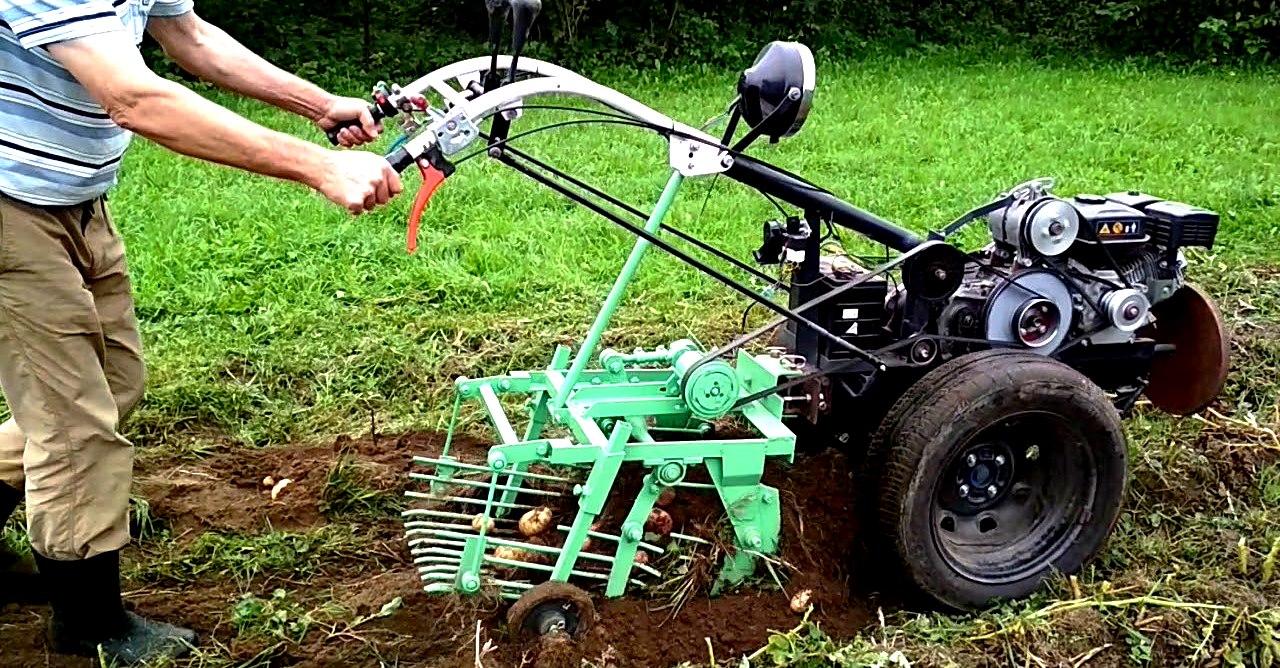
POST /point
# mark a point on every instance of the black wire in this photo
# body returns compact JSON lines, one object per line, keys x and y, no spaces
{"x":610,"y":118}
{"x":552,"y":126}
{"x":660,"y":129}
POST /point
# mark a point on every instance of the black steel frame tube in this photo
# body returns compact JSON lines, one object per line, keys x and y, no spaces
{"x":774,"y":181}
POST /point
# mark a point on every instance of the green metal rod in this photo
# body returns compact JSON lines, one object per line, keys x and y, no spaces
{"x":611,"y":303}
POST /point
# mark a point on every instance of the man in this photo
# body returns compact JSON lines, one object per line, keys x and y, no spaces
{"x":73,"y":88}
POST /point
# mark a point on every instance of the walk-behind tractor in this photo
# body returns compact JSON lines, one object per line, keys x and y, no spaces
{"x":981,"y":391}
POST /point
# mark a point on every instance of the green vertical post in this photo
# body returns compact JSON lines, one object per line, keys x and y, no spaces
{"x":592,"y":496}
{"x":619,"y":287}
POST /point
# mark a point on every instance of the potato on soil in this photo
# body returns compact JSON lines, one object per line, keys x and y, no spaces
{"x":659,"y":522}
{"x":535,"y":521}
{"x":666,"y":497}
{"x":481,"y":521}
{"x":511,"y":553}
{"x":800,"y":601}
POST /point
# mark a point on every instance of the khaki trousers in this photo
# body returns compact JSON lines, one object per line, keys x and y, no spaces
{"x":71,"y":370}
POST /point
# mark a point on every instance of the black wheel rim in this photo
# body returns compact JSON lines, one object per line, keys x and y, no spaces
{"x":1014,"y":497}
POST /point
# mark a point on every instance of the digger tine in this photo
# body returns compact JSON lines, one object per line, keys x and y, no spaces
{"x":463,"y":499}
{"x":419,"y":526}
{"x":485,"y":469}
{"x":416,"y":549}
{"x":416,"y":512}
{"x":435,"y":559}
{"x":596,"y":534}
{"x":690,"y":539}
{"x":542,"y":567}
{"x":481,"y":483}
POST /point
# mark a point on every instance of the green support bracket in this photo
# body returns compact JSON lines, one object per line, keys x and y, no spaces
{"x":591,"y":499}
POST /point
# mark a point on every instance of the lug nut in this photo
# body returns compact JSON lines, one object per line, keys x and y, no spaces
{"x":964,"y":490}
{"x":973,"y":460}
{"x":999,"y":460}
{"x":992,"y":490}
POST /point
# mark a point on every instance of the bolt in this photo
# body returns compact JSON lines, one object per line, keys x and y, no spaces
{"x":470,"y":583}
{"x":497,"y":461}
{"x":596,"y":380}
{"x":579,"y":490}
{"x":964,"y":490}
{"x":544,"y":450}
{"x":1000,"y":460}
{"x":726,"y":161}
{"x":972,"y":460}
{"x":1033,"y":453}
{"x":506,"y":384}
{"x":495,"y":152}
{"x":451,"y":126}
{"x":632,"y":533}
{"x":766,"y":499}
{"x":671,"y":472}
{"x":754,"y":540}
{"x":843,"y":438}
{"x":634,"y":379}
{"x":992,"y":490}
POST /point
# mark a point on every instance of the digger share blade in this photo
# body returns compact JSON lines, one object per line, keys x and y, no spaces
{"x":1191,"y":378}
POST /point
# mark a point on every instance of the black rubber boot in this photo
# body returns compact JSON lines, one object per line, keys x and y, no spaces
{"x":88,"y":612}
{"x":19,"y":578}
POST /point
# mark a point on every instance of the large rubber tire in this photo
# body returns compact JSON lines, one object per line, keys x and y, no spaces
{"x":1055,"y":506}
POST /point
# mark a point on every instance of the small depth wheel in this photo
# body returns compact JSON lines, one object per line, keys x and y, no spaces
{"x":998,"y":475}
{"x":552,"y":608}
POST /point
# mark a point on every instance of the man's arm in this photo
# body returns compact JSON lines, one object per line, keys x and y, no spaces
{"x":208,"y":52}
{"x":111,"y":68}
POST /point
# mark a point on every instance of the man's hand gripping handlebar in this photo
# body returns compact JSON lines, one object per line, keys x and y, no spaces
{"x":388,"y":102}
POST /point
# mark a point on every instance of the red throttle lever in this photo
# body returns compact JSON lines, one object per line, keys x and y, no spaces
{"x":431,"y":180}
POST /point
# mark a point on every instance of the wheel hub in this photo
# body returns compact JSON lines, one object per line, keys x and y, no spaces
{"x":982,"y":477}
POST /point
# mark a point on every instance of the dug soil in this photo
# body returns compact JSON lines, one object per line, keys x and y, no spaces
{"x":347,"y":595}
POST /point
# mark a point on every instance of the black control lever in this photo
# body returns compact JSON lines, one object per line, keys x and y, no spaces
{"x":498,"y":10}
{"x":524,"y":12}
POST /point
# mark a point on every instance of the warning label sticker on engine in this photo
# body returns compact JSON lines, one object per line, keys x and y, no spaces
{"x":1119,"y":229}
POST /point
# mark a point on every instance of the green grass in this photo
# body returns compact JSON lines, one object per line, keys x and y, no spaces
{"x":270,"y":316}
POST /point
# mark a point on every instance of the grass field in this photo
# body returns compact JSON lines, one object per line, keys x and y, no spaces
{"x":271,"y":318}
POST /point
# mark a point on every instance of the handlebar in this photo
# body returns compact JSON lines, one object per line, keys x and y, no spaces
{"x":374,"y":110}
{"x":382,"y":109}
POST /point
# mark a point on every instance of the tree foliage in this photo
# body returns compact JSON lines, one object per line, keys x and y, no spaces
{"x":407,"y":37}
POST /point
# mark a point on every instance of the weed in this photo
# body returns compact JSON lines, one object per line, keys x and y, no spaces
{"x":278,"y":554}
{"x":349,"y":490}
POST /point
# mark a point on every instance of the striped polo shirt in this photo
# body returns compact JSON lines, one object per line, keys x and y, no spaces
{"x":58,"y":146}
